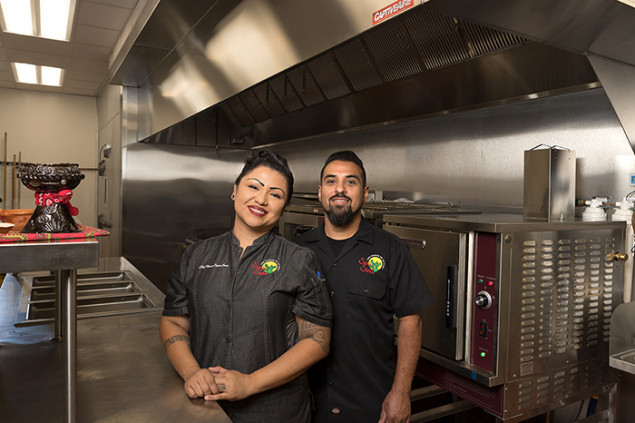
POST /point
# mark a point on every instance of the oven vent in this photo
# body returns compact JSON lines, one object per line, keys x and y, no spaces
{"x":548,"y":391}
{"x":566,"y":298}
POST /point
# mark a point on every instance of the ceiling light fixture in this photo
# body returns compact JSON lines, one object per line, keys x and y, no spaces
{"x":40,"y":18}
{"x":17,"y":17}
{"x":27,"y":73}
{"x":54,"y":20}
{"x":51,"y":76}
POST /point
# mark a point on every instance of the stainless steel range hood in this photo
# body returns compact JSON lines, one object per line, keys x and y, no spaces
{"x":254,"y":72}
{"x":602,"y":30}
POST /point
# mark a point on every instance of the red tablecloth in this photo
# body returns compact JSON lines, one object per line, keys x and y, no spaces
{"x":86,"y":232}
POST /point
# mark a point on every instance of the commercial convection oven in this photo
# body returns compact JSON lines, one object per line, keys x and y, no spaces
{"x":521,"y":318}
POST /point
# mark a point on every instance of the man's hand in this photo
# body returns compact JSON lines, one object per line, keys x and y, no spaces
{"x":200,"y":383}
{"x":395,"y":408}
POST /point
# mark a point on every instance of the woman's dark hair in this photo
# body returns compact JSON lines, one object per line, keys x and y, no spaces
{"x":345,"y":156}
{"x":272,"y":161}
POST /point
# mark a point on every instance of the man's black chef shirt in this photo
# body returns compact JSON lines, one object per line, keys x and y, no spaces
{"x":372,"y":278}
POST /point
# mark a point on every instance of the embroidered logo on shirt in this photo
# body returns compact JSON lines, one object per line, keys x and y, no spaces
{"x":211,"y":266}
{"x":267,"y":267}
{"x":372,"y":264}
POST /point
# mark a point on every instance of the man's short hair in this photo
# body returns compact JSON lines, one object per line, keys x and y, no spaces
{"x":345,"y":156}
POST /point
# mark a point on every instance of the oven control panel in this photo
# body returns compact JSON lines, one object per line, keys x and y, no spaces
{"x":484,"y":305}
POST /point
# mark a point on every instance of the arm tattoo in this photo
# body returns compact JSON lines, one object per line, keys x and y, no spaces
{"x":174,"y":339}
{"x":316,"y":333}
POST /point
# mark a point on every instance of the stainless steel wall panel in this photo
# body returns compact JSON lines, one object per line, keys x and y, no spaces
{"x":473,"y":159}
{"x":476,"y":158}
{"x":171,"y":193}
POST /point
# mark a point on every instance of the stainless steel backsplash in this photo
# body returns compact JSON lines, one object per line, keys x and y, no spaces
{"x":473,"y":158}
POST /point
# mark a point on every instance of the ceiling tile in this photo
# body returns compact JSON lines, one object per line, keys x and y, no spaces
{"x":97,"y":27}
{"x":36,"y":58}
{"x":102,"y":16}
{"x":80,"y":91}
{"x":83,"y":85}
{"x":36,"y":44}
{"x":34,"y":87}
{"x":86,"y":51}
{"x":6,"y":76}
{"x":127,"y":4}
{"x":84,"y":76}
{"x":95,"y":36}
{"x":84,"y":65}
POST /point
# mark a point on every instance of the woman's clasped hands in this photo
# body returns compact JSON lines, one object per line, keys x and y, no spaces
{"x":218,"y":383}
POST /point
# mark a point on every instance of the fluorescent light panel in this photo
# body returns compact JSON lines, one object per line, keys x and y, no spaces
{"x":27,"y":73}
{"x":17,"y":16}
{"x":51,"y":76}
{"x":54,"y":18}
{"x":41,"y":18}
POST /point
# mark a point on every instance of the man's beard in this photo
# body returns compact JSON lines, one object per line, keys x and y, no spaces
{"x":341,"y":215}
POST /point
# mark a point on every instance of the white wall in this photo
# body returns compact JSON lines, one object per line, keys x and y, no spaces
{"x":50,"y":128}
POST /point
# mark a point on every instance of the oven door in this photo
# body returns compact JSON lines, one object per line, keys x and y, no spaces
{"x":441,"y":258}
{"x":291,"y":225}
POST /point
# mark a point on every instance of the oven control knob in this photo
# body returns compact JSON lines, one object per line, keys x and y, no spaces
{"x":483,"y":300}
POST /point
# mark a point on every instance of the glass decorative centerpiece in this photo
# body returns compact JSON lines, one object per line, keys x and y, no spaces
{"x":53,"y":185}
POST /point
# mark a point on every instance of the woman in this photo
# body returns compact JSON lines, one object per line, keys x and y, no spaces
{"x":247,"y":312}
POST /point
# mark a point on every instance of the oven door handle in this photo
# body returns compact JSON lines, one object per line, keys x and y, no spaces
{"x":451,"y":297}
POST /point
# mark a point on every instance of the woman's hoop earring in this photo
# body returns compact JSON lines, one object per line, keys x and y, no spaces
{"x":233,"y":197}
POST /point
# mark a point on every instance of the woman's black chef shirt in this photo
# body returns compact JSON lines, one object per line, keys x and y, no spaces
{"x":242,"y":313}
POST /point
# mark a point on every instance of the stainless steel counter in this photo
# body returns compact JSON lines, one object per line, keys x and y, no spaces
{"x":494,"y":222}
{"x":64,"y":257}
{"x":123,"y":374}
{"x":622,"y":357}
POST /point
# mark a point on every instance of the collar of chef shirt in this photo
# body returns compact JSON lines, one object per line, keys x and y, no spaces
{"x":261,"y":240}
{"x":364,"y":233}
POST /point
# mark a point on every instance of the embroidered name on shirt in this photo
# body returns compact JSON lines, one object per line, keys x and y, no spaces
{"x":372,"y":264}
{"x":211,"y":266}
{"x":267,"y":267}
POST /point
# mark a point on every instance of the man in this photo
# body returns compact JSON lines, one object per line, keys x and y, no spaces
{"x":371,"y":277}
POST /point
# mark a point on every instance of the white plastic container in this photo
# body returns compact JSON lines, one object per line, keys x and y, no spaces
{"x":594,"y":212}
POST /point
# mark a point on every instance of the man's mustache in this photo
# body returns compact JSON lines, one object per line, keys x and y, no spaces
{"x":340,"y":196}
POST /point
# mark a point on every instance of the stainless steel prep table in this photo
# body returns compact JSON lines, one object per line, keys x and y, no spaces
{"x":63,"y":257}
{"x":123,"y":374}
